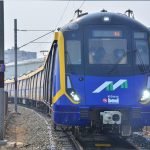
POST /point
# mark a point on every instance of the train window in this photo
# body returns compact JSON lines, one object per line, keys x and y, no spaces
{"x":142,"y":54}
{"x":107,"y":51}
{"x":19,"y":88}
{"x":27,"y":88}
{"x":13,"y":90}
{"x":23,"y":88}
{"x":42,"y":85}
{"x":73,"y":50}
{"x":32,"y":84}
{"x":38,"y":85}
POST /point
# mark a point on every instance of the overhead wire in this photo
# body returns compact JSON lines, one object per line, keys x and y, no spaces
{"x":82,"y":4}
{"x":78,"y":8}
{"x":43,"y":30}
{"x":63,"y":13}
{"x":60,"y":19}
{"x":36,"y":39}
{"x":24,"y":30}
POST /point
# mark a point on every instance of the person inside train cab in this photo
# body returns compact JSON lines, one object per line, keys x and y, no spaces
{"x":120,"y":57}
{"x":96,"y":55}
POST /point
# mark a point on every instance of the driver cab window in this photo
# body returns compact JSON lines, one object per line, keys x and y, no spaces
{"x":107,"y":47}
{"x":73,"y":50}
{"x":142,"y":50}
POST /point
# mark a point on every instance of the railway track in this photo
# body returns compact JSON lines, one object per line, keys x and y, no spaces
{"x":63,"y":139}
{"x":98,"y":142}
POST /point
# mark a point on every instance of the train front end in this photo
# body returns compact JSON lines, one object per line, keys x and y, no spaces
{"x":106,"y":74}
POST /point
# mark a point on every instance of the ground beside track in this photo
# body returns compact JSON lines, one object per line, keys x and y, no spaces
{"x":32,"y":130}
{"x":26,"y":131}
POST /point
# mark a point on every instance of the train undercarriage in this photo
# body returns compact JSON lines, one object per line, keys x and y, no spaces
{"x":118,"y":122}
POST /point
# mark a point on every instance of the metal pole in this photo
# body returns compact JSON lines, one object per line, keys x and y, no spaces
{"x":1,"y":114}
{"x":1,"y":72}
{"x":15,"y":52}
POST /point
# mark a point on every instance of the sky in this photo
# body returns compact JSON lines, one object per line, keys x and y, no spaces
{"x":49,"y":15}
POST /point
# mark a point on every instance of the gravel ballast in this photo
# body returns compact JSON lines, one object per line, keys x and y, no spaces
{"x":31,"y":130}
{"x":26,"y":130}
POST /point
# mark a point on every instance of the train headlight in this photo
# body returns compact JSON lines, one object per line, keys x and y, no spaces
{"x":75,"y":96}
{"x":145,"y":97}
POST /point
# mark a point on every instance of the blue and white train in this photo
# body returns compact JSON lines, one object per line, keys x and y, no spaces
{"x":96,"y":75}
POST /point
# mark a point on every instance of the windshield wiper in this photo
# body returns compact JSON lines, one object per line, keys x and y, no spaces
{"x":141,"y":66}
{"x":115,"y":65}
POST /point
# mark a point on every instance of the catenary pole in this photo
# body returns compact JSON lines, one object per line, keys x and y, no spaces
{"x":1,"y":72}
{"x":15,"y":52}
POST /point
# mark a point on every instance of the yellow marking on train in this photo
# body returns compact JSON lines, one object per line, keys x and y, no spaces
{"x":103,"y":145}
{"x":57,"y":96}
{"x":56,"y":36}
{"x":62,"y":91}
{"x":61,"y":61}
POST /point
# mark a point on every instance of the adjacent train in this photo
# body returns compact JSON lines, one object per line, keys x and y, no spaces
{"x":96,"y":75}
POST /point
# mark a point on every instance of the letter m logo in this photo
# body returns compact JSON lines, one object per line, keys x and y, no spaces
{"x":109,"y":86}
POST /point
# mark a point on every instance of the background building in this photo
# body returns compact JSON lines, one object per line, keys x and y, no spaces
{"x":23,"y":67}
{"x":22,"y":55}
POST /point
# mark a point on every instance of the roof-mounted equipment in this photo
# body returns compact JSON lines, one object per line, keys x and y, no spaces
{"x":103,"y":10}
{"x":79,"y":13}
{"x":129,"y":13}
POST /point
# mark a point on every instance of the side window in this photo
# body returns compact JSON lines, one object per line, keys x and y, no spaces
{"x":20,"y":88}
{"x":32,"y":84}
{"x":13,"y":91}
{"x":27,"y":88}
{"x":142,"y":49}
{"x":142,"y":55}
{"x":38,"y":86}
{"x":42,"y":85}
{"x":73,"y":50}
{"x":23,"y":88}
{"x":35,"y":87}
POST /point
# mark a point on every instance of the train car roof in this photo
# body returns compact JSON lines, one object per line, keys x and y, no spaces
{"x":98,"y":19}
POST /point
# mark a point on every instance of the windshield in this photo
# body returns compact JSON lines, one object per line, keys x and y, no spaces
{"x":107,"y":51}
{"x":112,"y":50}
{"x":107,"y":47}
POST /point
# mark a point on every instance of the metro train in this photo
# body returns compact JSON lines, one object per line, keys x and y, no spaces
{"x":96,"y":75}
